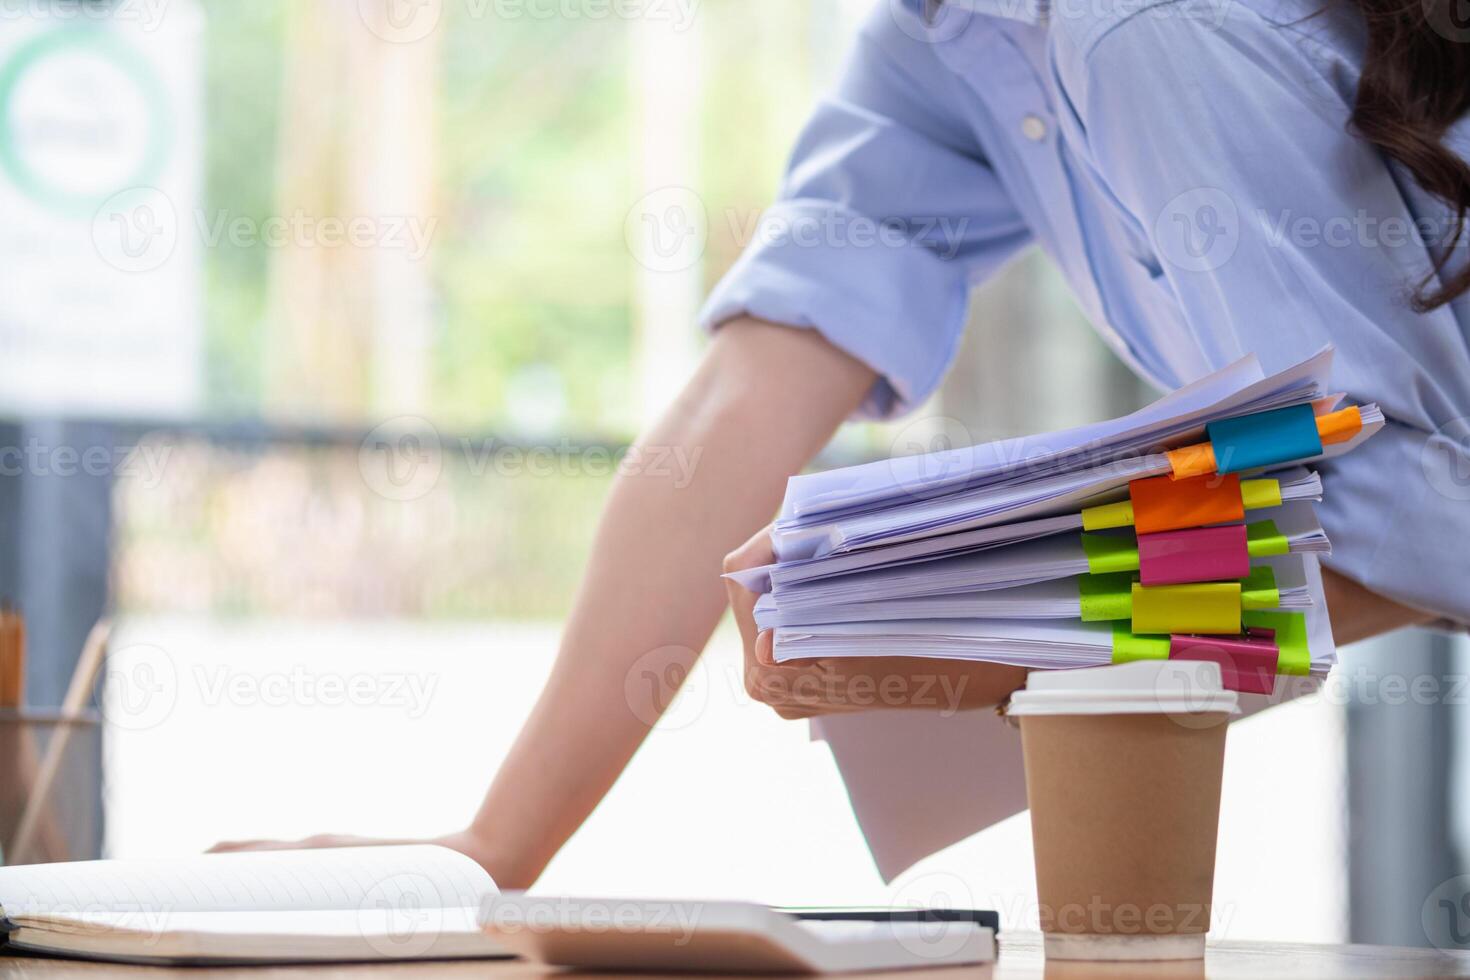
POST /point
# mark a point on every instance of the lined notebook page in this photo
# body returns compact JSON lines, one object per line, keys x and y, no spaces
{"x":422,"y":876}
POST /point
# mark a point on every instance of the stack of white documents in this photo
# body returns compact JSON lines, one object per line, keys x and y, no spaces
{"x":1185,"y":530}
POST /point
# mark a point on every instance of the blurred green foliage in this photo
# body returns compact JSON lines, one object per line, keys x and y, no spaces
{"x":535,"y":157}
{"x":242,"y":80}
{"x":535,"y":168}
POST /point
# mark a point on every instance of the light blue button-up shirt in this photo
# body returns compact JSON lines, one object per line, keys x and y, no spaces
{"x":1186,"y":164}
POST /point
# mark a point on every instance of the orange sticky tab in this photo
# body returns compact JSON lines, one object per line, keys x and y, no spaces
{"x":1162,"y":503}
{"x":1196,"y":460}
{"x":1339,"y":426}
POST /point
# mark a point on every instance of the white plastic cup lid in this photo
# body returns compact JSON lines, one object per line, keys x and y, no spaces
{"x":1141,"y":687}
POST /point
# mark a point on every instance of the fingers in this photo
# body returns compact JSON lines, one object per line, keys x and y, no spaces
{"x":753,"y":553}
{"x":765,"y":680}
{"x":227,"y":846}
{"x":807,"y":688}
{"x":305,"y":843}
{"x":765,"y":648}
{"x":799,"y":690}
{"x":846,"y":684}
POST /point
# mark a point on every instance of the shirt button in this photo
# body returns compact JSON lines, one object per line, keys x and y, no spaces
{"x":1033,"y":128}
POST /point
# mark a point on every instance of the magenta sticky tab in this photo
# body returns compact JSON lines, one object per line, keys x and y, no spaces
{"x":1196,"y":554}
{"x":1247,"y":662}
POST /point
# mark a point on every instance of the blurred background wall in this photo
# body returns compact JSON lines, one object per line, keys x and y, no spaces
{"x":323,"y":329}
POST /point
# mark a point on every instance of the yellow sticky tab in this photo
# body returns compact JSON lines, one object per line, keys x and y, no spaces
{"x":1195,"y":607}
{"x":1118,"y":514}
{"x":1259,"y":494}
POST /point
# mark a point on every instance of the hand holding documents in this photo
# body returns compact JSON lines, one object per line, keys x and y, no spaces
{"x":1186,"y":530}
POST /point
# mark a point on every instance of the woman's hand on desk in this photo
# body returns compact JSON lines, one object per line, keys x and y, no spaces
{"x":464,"y":841}
{"x":804,"y":688}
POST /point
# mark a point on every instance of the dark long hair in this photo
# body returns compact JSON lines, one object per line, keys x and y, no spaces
{"x":1415,"y":84}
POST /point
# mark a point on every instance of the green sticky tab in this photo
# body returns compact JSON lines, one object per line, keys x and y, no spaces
{"x":1128,"y":647}
{"x":1294,"y":656}
{"x":1258,"y":589}
{"x":1103,"y":597}
{"x":1262,"y":539}
{"x":1110,"y":552}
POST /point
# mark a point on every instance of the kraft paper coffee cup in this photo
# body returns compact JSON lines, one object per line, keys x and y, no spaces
{"x":1123,"y":767}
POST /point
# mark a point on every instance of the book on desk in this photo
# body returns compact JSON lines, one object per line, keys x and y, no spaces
{"x":422,"y":902}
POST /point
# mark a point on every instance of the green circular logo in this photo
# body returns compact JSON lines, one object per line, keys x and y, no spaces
{"x":103,"y":44}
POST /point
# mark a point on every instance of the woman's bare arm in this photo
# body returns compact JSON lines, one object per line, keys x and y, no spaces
{"x":763,"y":401}
{"x":1359,"y":613}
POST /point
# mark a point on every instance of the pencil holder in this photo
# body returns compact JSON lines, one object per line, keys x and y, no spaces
{"x":50,"y":786}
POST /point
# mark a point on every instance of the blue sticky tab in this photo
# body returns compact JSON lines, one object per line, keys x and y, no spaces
{"x":1264,"y":439}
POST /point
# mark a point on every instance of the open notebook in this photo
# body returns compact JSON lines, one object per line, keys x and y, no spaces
{"x":347,"y":904}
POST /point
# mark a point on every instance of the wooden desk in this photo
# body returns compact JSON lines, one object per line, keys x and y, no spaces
{"x":1020,"y":958}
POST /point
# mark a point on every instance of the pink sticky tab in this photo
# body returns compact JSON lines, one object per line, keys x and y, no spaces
{"x":1247,"y":662}
{"x":1196,"y":554}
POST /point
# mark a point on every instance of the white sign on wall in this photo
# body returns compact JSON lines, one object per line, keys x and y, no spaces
{"x":100,"y":154}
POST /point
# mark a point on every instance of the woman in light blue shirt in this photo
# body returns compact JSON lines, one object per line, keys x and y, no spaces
{"x":1213,"y":177}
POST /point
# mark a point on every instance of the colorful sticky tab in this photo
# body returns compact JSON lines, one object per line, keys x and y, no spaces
{"x":1264,"y":439}
{"x":1197,"y":607}
{"x":1191,"y":461}
{"x":1127,"y":647}
{"x":1198,"y":554}
{"x":1291,"y":639}
{"x":1263,"y":539}
{"x":1104,"y":597}
{"x":1101,"y":516}
{"x":1110,"y":552}
{"x":1258,"y":589}
{"x":1341,"y":425}
{"x":1249,"y":442}
{"x":1260,"y":494}
{"x":1162,"y":503}
{"x":1248,"y":663}
{"x":1109,"y":596}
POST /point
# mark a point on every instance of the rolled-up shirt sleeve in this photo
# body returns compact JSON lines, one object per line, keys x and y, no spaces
{"x":1277,"y":235}
{"x":887,"y":216}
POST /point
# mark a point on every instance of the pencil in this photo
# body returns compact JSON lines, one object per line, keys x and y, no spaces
{"x":34,"y":819}
{"x":12,"y":658}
